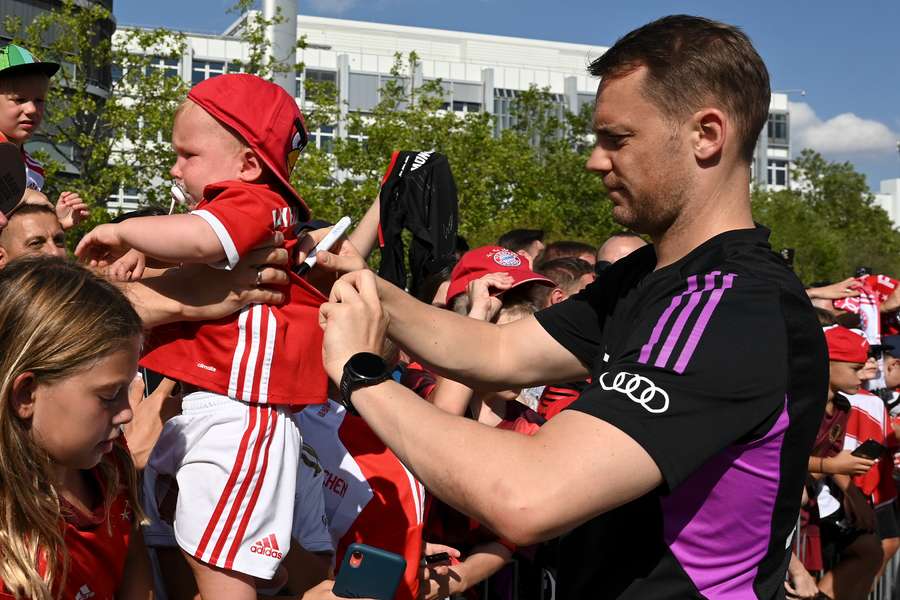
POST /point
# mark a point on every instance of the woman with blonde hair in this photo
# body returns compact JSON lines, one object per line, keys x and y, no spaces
{"x":69,"y":346}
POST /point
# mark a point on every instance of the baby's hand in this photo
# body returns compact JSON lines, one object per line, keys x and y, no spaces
{"x":128,"y":268}
{"x":71,"y":209}
{"x":101,"y":246}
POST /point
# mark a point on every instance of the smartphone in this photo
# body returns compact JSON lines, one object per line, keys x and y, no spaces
{"x":440,"y":557}
{"x":152,"y":379}
{"x":369,"y":572}
{"x":870,"y":449}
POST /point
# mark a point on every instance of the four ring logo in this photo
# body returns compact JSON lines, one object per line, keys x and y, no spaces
{"x":638,"y":389}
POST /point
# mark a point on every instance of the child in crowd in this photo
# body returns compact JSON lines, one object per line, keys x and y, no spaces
{"x":492,"y":284}
{"x":869,"y":420}
{"x":69,"y":346}
{"x":24,"y":82}
{"x":234,"y":450}
{"x":850,"y":555}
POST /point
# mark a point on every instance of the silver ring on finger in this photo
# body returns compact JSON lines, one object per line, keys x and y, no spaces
{"x":259,"y":277}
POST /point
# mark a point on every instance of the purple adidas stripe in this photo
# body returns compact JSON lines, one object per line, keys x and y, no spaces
{"x":700,"y":326}
{"x":663,"y":319}
{"x":681,"y":321}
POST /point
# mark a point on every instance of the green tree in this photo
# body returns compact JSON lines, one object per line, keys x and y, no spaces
{"x":532,"y":175}
{"x":111,"y":131}
{"x":831,"y":221}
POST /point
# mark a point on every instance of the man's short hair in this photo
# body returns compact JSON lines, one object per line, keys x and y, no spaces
{"x":23,"y":210}
{"x":27,"y":208}
{"x":520,"y":239}
{"x":566,"y":272}
{"x":566,"y":248}
{"x":692,"y":62}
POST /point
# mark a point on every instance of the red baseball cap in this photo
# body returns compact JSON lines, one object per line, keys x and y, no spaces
{"x":264,"y":115}
{"x":845,"y":345}
{"x":491,"y":259}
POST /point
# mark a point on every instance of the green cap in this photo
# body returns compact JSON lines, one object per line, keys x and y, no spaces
{"x":16,"y":60}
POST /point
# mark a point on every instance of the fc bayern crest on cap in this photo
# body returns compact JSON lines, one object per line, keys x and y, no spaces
{"x":507,"y":258}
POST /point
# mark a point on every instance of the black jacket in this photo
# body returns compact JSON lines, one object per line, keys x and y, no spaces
{"x":418,"y":193}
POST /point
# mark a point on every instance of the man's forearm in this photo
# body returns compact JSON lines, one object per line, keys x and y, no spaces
{"x":482,"y":562}
{"x":474,"y":352}
{"x":468,"y":465}
{"x":519,"y":486}
{"x":365,"y":235}
{"x":154,"y":308}
{"x":443,"y":339}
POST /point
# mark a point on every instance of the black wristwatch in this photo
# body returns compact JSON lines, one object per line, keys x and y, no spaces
{"x":362,"y":370}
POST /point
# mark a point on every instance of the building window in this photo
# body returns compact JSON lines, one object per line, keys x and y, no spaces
{"x":466,"y":107}
{"x":504,"y":109}
{"x":361,"y":140}
{"x":323,"y":138}
{"x":777,"y":172}
{"x":124,"y":200}
{"x":204,"y":69}
{"x":168,"y":66}
{"x":778,"y":128}
{"x":317,"y":75}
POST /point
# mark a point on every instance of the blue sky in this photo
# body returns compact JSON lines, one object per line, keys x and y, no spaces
{"x":845,"y":55}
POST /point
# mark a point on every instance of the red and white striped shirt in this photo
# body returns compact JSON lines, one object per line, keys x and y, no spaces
{"x":869,"y":420}
{"x":263,"y":354}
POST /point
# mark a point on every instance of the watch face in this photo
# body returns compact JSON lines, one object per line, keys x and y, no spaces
{"x":367,"y":365}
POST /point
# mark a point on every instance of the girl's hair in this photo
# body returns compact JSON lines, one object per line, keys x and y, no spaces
{"x":56,"y":319}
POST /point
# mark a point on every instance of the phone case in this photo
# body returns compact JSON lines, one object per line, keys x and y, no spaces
{"x":369,"y":572}
{"x":870,"y":449}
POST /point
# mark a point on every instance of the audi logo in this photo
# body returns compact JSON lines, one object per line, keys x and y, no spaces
{"x":638,"y":389}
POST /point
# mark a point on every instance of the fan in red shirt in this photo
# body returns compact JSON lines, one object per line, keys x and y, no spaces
{"x":69,"y":346}
{"x":370,"y":497}
{"x":235,"y":448}
{"x":869,"y":420}
{"x":842,"y":515}
{"x":493,"y":284}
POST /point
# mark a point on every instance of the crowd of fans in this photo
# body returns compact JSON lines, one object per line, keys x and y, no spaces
{"x":241,"y":472}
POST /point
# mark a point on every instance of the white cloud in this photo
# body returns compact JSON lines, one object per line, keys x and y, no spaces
{"x":335,"y":7}
{"x":845,"y":133}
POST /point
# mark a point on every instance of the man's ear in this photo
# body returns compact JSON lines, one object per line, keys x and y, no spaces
{"x":710,"y":131}
{"x":556,"y":296}
{"x":22,"y":395}
{"x":252,"y":168}
{"x":4,"y":257}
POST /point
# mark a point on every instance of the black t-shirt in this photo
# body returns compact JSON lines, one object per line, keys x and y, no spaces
{"x":717,"y":367}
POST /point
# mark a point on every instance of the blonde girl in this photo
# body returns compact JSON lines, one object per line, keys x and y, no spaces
{"x":69,"y":345}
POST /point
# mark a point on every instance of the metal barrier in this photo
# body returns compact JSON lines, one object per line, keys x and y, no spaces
{"x":886,"y":586}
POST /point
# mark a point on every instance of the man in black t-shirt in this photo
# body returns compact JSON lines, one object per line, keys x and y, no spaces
{"x":678,"y":472}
